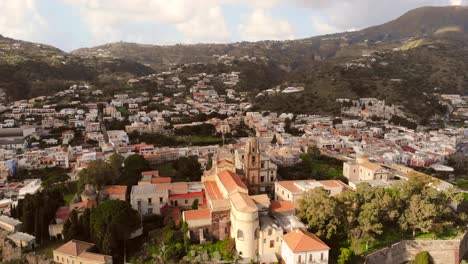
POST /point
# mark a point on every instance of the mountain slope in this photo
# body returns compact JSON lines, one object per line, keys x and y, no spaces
{"x":30,"y":69}
{"x":418,"y":23}
{"x":415,"y":23}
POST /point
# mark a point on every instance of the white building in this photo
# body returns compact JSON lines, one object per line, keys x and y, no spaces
{"x":300,"y":246}
{"x":148,"y":200}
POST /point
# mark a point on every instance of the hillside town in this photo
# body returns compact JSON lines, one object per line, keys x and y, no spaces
{"x":202,"y":160}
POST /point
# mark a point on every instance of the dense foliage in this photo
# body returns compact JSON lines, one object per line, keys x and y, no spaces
{"x":365,"y":215}
{"x":37,"y":211}
{"x":108,"y":225}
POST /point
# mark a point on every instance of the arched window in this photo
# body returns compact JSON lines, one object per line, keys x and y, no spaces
{"x":240,"y":234}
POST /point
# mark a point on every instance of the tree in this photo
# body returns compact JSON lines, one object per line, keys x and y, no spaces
{"x":111,"y":224}
{"x":98,"y":173}
{"x":274,"y":140}
{"x":418,"y":216}
{"x":345,"y":256}
{"x":321,"y":213}
{"x":134,"y":165}
{"x":71,"y":228}
{"x":188,"y":168}
{"x":195,"y":204}
{"x":116,"y":161}
{"x":77,"y":227}
{"x":37,"y":211}
{"x":422,"y":257}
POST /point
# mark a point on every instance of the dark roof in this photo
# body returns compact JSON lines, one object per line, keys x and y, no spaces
{"x":11,"y":132}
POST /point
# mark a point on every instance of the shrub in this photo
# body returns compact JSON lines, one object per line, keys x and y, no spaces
{"x":422,"y":258}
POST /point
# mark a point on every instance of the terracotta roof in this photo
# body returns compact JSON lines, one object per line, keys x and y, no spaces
{"x":197,"y":214}
{"x":303,"y":241}
{"x":94,"y":256}
{"x":186,"y":195}
{"x":154,"y":172}
{"x":152,"y":156}
{"x":63,"y":212}
{"x":371,"y":166}
{"x":74,"y":247}
{"x":231,"y":181}
{"x":243,"y":203}
{"x":291,"y":186}
{"x":334,"y":183}
{"x":281,"y":206}
{"x":212,"y":190}
{"x":161,"y":180}
{"x":114,"y":189}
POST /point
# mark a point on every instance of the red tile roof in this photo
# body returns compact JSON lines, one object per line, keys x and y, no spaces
{"x":303,"y":241}
{"x":186,"y":195}
{"x":63,"y":212}
{"x":161,"y":180}
{"x":114,"y":189}
{"x":231,"y":181}
{"x":74,"y":247}
{"x":291,"y":186}
{"x":281,"y":206}
{"x":197,"y":214}
{"x":155,"y":172}
{"x":212,"y":190}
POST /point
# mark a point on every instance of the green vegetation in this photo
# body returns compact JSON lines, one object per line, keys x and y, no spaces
{"x":134,"y":165}
{"x":98,"y":173}
{"x":36,"y":211}
{"x":372,"y":217}
{"x":67,"y":198}
{"x":198,"y":130}
{"x":422,"y":257}
{"x":182,"y":169}
{"x":108,"y":225}
{"x":314,"y":166}
{"x":201,"y":140}
{"x":160,"y":140}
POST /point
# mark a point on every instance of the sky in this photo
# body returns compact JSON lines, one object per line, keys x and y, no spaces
{"x":72,"y":24}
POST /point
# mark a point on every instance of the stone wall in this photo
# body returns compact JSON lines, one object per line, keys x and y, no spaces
{"x":441,"y":251}
{"x":9,"y":250}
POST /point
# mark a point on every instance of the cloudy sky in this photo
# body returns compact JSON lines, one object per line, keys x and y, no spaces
{"x":71,"y":24}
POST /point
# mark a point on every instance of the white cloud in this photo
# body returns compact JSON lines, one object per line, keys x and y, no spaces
{"x":196,"y":20}
{"x":205,"y":25}
{"x":260,"y":25}
{"x":19,"y":19}
{"x":322,"y":28}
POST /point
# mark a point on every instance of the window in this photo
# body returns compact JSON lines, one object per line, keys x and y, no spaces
{"x":240,"y":234}
{"x":186,"y":201}
{"x":288,"y":195}
{"x":321,"y":256}
{"x":270,"y":231}
{"x":310,"y":257}
{"x":150,"y":201}
{"x":263,"y":164}
{"x":256,"y":233}
{"x":272,"y":243}
{"x":299,"y":259}
{"x":58,"y":258}
{"x":160,"y":200}
{"x":262,"y":178}
{"x":139,"y":203}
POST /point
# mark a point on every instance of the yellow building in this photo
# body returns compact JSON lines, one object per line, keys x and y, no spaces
{"x":76,"y":252}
